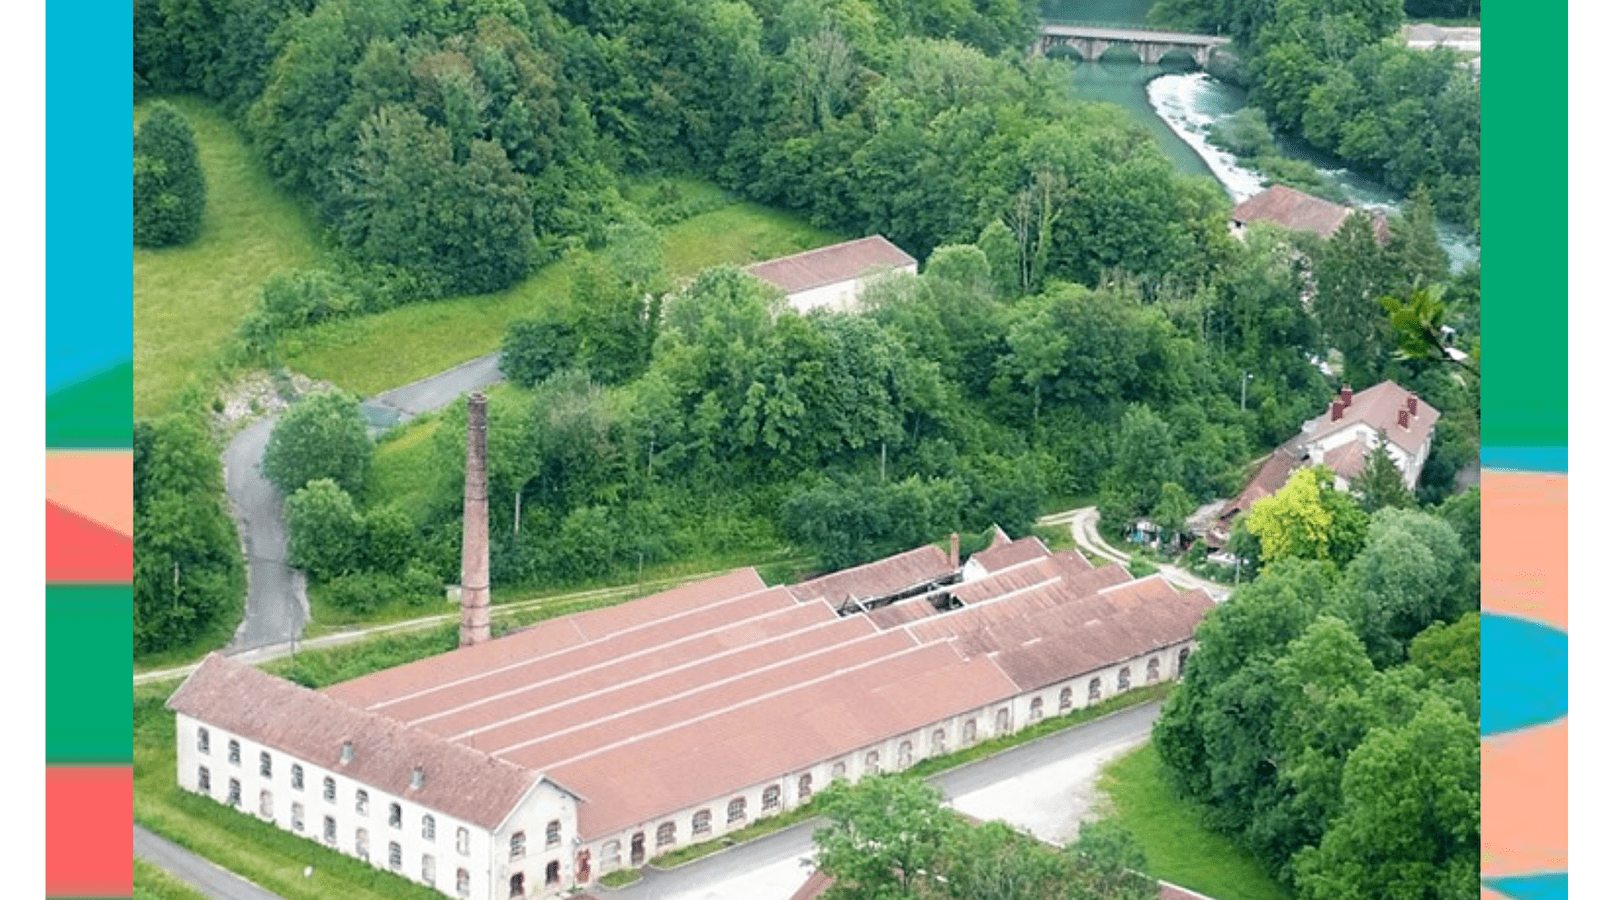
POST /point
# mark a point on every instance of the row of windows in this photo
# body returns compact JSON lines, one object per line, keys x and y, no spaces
{"x":552,"y":875}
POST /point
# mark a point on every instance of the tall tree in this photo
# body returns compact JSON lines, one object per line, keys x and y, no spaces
{"x":321,"y":436}
{"x":883,"y":835}
{"x":1380,"y":483}
{"x":169,"y":188}
{"x":1309,"y":519}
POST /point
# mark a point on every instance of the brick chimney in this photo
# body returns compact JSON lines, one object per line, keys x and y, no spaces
{"x":1411,"y":404}
{"x":1345,"y":395}
{"x":1404,"y":418}
{"x":955,"y":549}
{"x":475,"y":527}
{"x":1335,"y":411}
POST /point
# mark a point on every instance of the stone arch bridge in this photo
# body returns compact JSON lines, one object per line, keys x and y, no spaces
{"x":1092,"y":41}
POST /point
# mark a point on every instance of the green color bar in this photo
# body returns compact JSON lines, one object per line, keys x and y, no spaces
{"x":1525,"y":232}
{"x":92,"y":412}
{"x":88,"y":673}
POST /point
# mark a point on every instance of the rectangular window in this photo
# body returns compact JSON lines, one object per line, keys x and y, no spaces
{"x":266,"y":764}
{"x":463,"y":845}
{"x":297,"y":777}
{"x":427,"y":828}
{"x":552,"y":833}
{"x":203,"y":740}
{"x":330,"y":830}
{"x":233,"y":792}
{"x":328,"y":792}
{"x":519,"y":845}
{"x":266,"y":804}
{"x":463,"y":883}
{"x":297,"y":816}
{"x":394,"y":815}
{"x":361,"y":843}
{"x":394,"y":855}
{"x":427,"y":868}
{"x":361,"y":803}
{"x":233,"y":752}
{"x":205,"y":780}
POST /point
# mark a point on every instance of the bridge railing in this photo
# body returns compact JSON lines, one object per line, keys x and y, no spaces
{"x":1126,"y":26}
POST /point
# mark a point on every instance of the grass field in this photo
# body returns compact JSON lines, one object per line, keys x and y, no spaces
{"x":371,"y":354}
{"x":152,"y":883}
{"x":1178,"y":847}
{"x":187,"y":301}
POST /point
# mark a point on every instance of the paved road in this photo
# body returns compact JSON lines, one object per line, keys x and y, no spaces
{"x":276,"y":608}
{"x":204,"y":875}
{"x":1087,"y":536}
{"x":1042,"y":786}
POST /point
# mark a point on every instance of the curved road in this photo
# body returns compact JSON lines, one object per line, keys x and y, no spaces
{"x":1086,"y":534}
{"x":276,"y":608}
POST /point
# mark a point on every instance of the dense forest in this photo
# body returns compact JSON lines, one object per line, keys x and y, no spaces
{"x":1337,"y":74}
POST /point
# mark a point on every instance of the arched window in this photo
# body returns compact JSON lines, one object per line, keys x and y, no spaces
{"x":1094,"y":689}
{"x":552,"y":832}
{"x":840,"y":770}
{"x":463,"y":883}
{"x":905,"y":754}
{"x":463,"y":842}
{"x":233,"y":752}
{"x":361,"y":843}
{"x":736,"y":810}
{"x":938,"y":740}
{"x":427,"y":828}
{"x":1036,"y":709}
{"x":394,"y":855}
{"x":1124,"y":678}
{"x":666,"y":834}
{"x":872,"y":763}
{"x":519,"y":844}
{"x":203,"y":740}
{"x":1002,"y":721}
{"x":805,"y":785}
{"x":361,"y":803}
{"x":427,"y":868}
{"x":969,"y":731}
{"x":266,"y":764}
{"x":701,"y":823}
{"x":233,"y":792}
{"x":552,"y":873}
{"x":1066,"y":699}
{"x":266,"y":804}
{"x":297,"y":816}
{"x":394,"y":815}
{"x":205,"y":780}
{"x":1183,"y":659}
{"x":297,"y":777}
{"x":770,"y":798}
{"x":518,"y":885}
{"x":1152,"y":670}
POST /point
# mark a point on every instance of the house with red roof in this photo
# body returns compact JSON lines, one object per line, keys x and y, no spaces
{"x":834,"y":276}
{"x":1299,"y":211}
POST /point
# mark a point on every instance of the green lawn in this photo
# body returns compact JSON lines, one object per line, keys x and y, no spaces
{"x":1178,"y":847}
{"x":187,"y":301}
{"x":371,"y":354}
{"x":152,"y":883}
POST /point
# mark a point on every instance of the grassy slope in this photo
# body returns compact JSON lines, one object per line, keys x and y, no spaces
{"x":372,"y":354}
{"x":188,"y":300}
{"x":1178,"y":847}
{"x":152,"y":883}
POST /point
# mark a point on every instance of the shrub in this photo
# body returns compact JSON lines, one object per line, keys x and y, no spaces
{"x":169,"y":188}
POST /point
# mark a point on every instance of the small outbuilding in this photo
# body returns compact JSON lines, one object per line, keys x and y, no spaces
{"x":834,"y":276}
{"x":1299,"y":211}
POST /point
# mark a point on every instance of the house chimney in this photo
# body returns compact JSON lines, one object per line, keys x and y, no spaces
{"x":955,"y":549}
{"x":1404,"y":418}
{"x":1411,"y":404}
{"x":475,"y":527}
{"x":1344,"y":395}
{"x":1335,"y":411}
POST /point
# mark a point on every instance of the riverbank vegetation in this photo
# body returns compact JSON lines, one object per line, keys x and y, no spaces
{"x":1339,"y":76}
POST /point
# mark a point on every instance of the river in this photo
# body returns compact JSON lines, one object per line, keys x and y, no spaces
{"x":1179,"y":106}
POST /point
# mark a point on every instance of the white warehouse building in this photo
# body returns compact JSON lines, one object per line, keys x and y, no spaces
{"x":531,"y":764}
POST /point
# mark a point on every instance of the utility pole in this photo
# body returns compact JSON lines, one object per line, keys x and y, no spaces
{"x":1243,"y":380}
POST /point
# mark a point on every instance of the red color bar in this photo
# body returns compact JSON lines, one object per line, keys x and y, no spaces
{"x":78,"y":551}
{"x":88,"y":832}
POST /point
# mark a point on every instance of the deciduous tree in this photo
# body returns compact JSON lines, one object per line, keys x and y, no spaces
{"x":322,"y":436}
{"x":169,"y":188}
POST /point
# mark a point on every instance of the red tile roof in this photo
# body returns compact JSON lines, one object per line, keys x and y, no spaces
{"x":458,"y":781}
{"x":886,"y":576}
{"x":1004,"y":555}
{"x":834,"y":264}
{"x":1292,"y":209}
{"x":814,"y":886}
{"x":1171,"y":891}
{"x":1347,"y":460}
{"x":1378,"y":407}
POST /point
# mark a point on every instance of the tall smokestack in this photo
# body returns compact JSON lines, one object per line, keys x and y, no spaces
{"x":475,"y":527}
{"x":955,"y":549}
